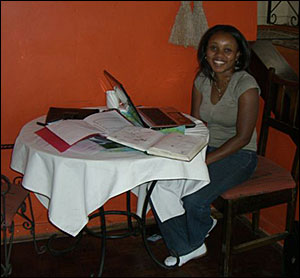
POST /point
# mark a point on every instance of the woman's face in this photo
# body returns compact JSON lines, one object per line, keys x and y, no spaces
{"x":222,"y":52}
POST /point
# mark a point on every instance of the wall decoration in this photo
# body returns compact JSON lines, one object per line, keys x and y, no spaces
{"x":189,"y":25}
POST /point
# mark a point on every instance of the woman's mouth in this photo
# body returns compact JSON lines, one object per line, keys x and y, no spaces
{"x":219,"y":63}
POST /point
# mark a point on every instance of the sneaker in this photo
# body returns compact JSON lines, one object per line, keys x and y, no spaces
{"x":212,"y":226}
{"x":201,"y":251}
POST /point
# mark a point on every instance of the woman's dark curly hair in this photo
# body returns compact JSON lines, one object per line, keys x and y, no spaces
{"x":243,"y":47}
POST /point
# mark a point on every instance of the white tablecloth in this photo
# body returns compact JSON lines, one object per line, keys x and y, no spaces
{"x":73,"y":184}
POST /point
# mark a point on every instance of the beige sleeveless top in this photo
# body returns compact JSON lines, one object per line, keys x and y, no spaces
{"x":221,"y":117}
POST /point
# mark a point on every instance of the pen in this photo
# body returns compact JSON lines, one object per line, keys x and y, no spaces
{"x":42,"y":124}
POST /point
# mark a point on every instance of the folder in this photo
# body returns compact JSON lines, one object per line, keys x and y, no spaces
{"x":53,"y":139}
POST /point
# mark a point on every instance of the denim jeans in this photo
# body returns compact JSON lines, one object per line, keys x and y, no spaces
{"x":185,"y":233}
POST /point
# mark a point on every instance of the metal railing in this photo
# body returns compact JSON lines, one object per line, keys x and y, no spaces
{"x":272,"y":16}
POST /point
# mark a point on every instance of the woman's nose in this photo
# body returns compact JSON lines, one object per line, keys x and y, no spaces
{"x":219,"y":54}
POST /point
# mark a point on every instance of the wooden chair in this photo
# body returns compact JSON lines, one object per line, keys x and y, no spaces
{"x":14,"y":201}
{"x":271,"y":184}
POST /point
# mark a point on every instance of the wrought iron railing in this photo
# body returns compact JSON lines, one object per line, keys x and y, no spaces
{"x":272,"y":16}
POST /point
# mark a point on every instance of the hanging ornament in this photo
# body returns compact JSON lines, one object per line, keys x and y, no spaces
{"x":183,"y":29}
{"x":199,"y":23}
{"x":189,"y":25}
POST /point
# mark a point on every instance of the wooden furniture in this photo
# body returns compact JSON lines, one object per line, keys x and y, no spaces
{"x":265,"y":55}
{"x":271,"y":184}
{"x":14,"y":201}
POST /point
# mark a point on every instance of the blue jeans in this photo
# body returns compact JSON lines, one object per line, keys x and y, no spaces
{"x":185,"y":233}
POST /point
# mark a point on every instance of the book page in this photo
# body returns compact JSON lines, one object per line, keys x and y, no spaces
{"x":108,"y":121}
{"x":179,"y":146}
{"x":136,"y":137}
{"x":72,"y":131}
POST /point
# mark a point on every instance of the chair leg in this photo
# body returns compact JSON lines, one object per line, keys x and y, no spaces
{"x":255,"y":221}
{"x":288,"y":258}
{"x":6,"y":267}
{"x":42,"y":249}
{"x":290,"y":213}
{"x":29,"y":224}
{"x":228,"y":222}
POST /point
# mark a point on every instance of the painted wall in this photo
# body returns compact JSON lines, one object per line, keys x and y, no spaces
{"x":54,"y":52}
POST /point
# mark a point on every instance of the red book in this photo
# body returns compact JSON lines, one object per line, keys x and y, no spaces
{"x":53,"y":139}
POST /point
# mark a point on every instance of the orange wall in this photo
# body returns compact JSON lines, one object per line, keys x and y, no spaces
{"x":54,"y":52}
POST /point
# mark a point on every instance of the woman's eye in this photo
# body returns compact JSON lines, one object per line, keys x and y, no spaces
{"x":212,"y":48}
{"x":227,"y":50}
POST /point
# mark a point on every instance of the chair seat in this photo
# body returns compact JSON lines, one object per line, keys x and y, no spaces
{"x":13,"y":199}
{"x":268,"y":177}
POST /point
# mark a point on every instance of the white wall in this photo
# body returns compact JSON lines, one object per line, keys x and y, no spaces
{"x":283,"y":12}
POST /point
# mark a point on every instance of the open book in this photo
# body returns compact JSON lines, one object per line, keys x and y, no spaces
{"x":114,"y":126}
{"x":173,"y":145}
{"x":65,"y":133}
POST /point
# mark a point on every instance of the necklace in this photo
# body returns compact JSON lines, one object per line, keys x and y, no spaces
{"x":221,"y":90}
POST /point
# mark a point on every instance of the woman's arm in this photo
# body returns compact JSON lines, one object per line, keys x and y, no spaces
{"x":196,"y":101}
{"x":248,"y":105}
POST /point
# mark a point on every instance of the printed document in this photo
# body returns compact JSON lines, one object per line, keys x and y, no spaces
{"x":103,"y":123}
{"x":172,"y":145}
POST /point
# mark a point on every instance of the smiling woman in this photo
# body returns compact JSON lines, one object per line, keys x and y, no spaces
{"x":223,"y":51}
{"x":55,"y":53}
{"x":226,"y":97}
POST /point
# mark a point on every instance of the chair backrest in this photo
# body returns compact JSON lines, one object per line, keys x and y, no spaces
{"x":281,"y":112}
{"x":12,"y":195}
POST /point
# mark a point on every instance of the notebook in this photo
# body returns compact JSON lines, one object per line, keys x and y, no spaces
{"x":149,"y":117}
{"x":60,"y":113}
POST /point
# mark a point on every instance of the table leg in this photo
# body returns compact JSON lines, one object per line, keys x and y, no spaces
{"x":103,"y":241}
{"x":141,"y":227}
{"x":103,"y":233}
{"x":56,"y":252}
{"x":144,"y":212}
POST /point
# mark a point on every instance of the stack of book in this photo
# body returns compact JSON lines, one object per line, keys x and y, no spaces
{"x":112,"y":125}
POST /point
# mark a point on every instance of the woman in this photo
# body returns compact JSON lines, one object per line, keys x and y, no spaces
{"x":226,"y":98}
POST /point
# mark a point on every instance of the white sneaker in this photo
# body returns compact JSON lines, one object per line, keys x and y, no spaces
{"x":201,"y":251}
{"x":212,"y":226}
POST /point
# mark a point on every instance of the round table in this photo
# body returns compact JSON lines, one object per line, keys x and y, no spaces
{"x":77,"y":182}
